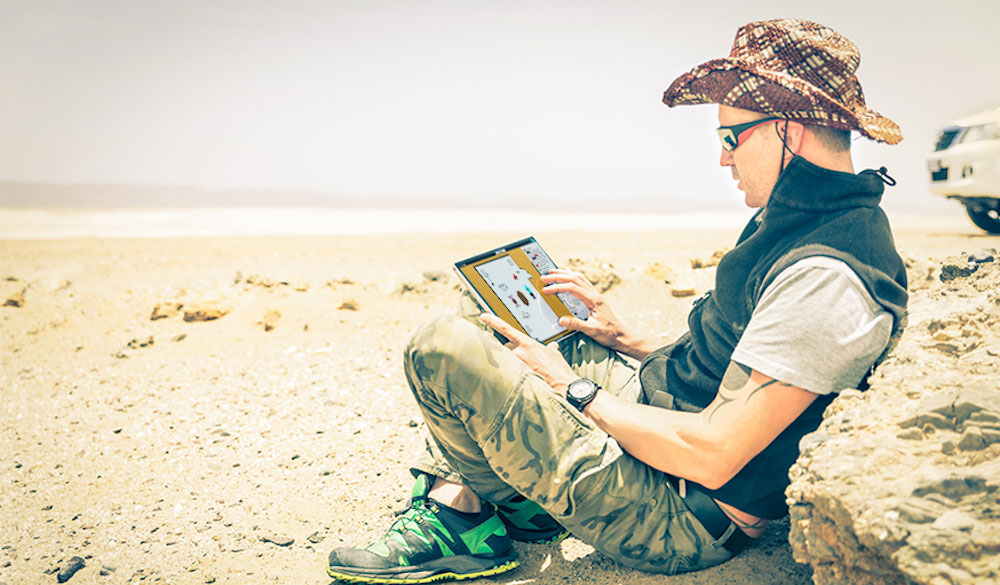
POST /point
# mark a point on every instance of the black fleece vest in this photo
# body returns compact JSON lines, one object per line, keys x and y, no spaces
{"x":811,"y":212}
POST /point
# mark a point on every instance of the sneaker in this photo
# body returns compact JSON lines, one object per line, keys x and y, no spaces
{"x":526,"y":521}
{"x":429,"y":542}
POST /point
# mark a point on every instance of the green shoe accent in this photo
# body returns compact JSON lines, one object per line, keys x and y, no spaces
{"x":526,"y":521}
{"x":429,"y":542}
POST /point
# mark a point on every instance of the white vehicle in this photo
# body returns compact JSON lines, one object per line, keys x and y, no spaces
{"x":965,"y":165}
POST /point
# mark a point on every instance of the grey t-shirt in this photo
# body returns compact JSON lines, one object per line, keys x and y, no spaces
{"x":815,"y":327}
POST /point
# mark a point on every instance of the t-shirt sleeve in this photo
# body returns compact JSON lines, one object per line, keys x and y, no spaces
{"x":815,"y":327}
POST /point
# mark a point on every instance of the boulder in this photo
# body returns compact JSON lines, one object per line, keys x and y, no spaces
{"x":901,"y":483}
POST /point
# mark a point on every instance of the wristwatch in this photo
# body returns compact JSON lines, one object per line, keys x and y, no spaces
{"x":581,"y":392}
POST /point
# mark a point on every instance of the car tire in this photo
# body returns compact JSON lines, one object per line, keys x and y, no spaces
{"x":986,"y":218}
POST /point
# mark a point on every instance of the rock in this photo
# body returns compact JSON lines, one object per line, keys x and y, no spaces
{"x":410,"y":288}
{"x":269,"y":320}
{"x":209,"y":311}
{"x":107,"y":570}
{"x":953,"y":271}
{"x":436,"y":276}
{"x":136,"y":344}
{"x":258,"y":280}
{"x":682,"y":292}
{"x":15,"y":300}
{"x":165,"y":310}
{"x":600,"y":273}
{"x":712,"y":260}
{"x":899,"y":485}
{"x":658,"y":271}
{"x":180,"y":337}
{"x":278,"y":539}
{"x":315,"y":538}
{"x":349,"y":305}
{"x":982,"y":256}
{"x":69,"y":569}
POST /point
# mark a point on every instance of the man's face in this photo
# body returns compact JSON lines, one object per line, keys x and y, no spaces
{"x":756,"y":162}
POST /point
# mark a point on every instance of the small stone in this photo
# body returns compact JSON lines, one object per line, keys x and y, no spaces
{"x":270,"y":319}
{"x":910,"y":434}
{"x":315,"y":538}
{"x":278,"y":539}
{"x":349,"y":305}
{"x":682,"y":292}
{"x":136,"y":344}
{"x":436,"y":275}
{"x":165,"y":310}
{"x":180,"y":337}
{"x":205,"y":312}
{"x":15,"y":300}
{"x":412,"y":424}
{"x":69,"y":569}
{"x":107,"y":570}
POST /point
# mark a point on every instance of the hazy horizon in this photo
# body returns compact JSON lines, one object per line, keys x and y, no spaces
{"x":441,"y":102}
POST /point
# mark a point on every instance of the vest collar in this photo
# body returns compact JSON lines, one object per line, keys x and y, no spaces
{"x":808,"y":187}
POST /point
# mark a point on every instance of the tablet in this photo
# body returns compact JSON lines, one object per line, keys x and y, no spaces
{"x":507,"y":282}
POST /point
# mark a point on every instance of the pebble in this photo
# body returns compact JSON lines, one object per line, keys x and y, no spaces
{"x":67,"y":571}
{"x":107,"y":570}
{"x":278,"y":539}
{"x":436,"y":275}
{"x":315,"y":538}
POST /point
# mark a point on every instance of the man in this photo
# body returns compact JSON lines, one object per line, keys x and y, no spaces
{"x":674,"y":466}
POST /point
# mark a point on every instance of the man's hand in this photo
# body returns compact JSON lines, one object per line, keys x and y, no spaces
{"x":602,"y":325}
{"x":545,"y":361}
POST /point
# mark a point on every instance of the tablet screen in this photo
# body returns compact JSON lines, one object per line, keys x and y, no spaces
{"x":508,"y":282}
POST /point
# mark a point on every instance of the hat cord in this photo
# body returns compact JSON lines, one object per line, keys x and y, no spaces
{"x":784,"y":144}
{"x":883,"y":173}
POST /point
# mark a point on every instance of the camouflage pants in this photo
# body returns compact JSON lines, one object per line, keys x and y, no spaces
{"x":500,"y":429}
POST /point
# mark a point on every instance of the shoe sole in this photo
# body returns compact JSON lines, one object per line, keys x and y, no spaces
{"x":528,"y":538}
{"x":425,"y":573}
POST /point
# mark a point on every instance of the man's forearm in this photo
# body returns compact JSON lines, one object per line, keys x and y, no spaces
{"x":636,"y":347}
{"x":679,"y":443}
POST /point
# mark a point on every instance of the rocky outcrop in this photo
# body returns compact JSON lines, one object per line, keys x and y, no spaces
{"x":901,"y":483}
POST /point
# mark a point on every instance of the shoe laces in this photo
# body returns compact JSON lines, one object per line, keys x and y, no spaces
{"x":408,"y":518}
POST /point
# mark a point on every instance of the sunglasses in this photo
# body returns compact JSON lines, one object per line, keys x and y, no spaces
{"x":733,"y":136}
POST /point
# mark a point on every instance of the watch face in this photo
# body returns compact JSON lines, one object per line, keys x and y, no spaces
{"x":580,"y":388}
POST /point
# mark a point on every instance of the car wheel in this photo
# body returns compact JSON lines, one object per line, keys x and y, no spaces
{"x":987,"y":218}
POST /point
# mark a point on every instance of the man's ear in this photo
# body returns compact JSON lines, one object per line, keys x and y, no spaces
{"x":794,"y":133}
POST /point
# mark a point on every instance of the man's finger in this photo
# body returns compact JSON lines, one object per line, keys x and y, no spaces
{"x":504,"y":328}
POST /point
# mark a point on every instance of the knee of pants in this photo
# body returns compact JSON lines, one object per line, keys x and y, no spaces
{"x":434,"y":347}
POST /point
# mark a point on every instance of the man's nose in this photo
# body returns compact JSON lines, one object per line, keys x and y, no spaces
{"x":726,"y":159}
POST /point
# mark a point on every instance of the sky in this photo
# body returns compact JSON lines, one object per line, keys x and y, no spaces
{"x":495,"y":103}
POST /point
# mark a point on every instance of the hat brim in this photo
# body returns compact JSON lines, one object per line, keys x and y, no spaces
{"x":730,"y":81}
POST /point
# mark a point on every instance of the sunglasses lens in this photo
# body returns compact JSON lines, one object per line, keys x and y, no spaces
{"x":728,"y":139}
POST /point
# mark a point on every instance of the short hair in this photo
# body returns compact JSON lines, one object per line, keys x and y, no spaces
{"x":835,"y":139}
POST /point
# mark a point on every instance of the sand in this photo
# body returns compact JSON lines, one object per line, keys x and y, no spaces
{"x":182,"y":451}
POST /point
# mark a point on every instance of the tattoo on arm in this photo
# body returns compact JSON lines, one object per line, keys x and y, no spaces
{"x":733,"y":381}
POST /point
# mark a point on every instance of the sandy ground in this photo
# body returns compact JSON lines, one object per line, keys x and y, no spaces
{"x":168,"y":451}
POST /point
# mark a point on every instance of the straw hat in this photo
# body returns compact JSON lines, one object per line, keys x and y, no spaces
{"x":790,"y":68}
